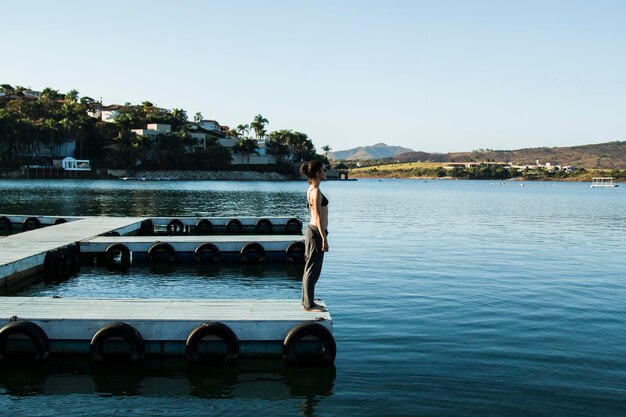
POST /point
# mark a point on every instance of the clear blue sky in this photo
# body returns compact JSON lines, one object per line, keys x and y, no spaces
{"x":435,"y":75}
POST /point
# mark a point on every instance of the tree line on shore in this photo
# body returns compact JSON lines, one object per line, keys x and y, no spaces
{"x":50,"y":118}
{"x":487,"y":172}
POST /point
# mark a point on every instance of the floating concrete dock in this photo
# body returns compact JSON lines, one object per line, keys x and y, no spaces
{"x":225,"y":225}
{"x":250,"y":249}
{"x":166,"y":328}
{"x":57,"y":250}
{"x":25,"y":253}
{"x":196,"y":329}
{"x":15,"y":223}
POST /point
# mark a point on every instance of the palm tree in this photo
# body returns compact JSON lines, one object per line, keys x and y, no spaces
{"x":302,"y":146}
{"x":246,"y":146}
{"x":7,"y":89}
{"x":51,"y":128}
{"x":243,"y":129}
{"x":198,"y":117}
{"x":179,"y":119}
{"x":48,"y":96}
{"x":71,"y":96}
{"x":124,"y":120}
{"x":233,"y":133}
{"x":277,"y":147}
{"x":19,"y":90}
{"x":258,"y":125}
{"x":129,"y":150}
{"x":280,"y":143}
{"x":88,"y":102}
{"x":326,"y":148}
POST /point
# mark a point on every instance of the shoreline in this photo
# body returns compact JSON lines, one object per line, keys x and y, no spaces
{"x":200,"y":175}
{"x":517,"y":179}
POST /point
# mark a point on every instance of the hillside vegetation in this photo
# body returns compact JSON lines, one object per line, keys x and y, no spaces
{"x":393,"y":169}
{"x":609,"y":155}
{"x":37,"y":127}
{"x":437,"y":170}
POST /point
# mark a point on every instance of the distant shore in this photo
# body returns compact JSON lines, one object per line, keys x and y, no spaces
{"x":575,"y":178}
{"x":201,"y":175}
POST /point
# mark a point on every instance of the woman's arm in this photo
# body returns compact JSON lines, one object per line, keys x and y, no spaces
{"x":316,"y":204}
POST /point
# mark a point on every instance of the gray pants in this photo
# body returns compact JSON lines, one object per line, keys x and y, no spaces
{"x":313,"y":259}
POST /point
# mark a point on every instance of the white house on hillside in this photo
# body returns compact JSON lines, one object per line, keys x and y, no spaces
{"x":227,"y":142}
{"x":210,"y":125}
{"x":153,"y":130}
{"x":105,"y":113}
{"x":31,"y":93}
{"x":262,"y":158}
{"x":109,"y":114}
{"x":200,"y":141}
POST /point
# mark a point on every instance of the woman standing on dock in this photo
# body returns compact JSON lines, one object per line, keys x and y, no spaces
{"x":315,"y":238}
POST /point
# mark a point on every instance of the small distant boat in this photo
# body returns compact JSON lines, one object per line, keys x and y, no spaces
{"x":133,"y":178}
{"x":603,"y":182}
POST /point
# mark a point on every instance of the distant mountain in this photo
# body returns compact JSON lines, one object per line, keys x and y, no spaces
{"x":378,"y":151}
{"x":609,"y":155}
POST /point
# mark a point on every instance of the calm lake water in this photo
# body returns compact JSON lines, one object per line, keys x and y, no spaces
{"x":449,"y":298}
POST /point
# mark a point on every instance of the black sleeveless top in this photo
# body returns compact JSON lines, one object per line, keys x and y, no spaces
{"x":324,"y":199}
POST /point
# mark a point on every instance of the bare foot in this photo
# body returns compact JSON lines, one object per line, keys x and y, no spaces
{"x":316,"y":309}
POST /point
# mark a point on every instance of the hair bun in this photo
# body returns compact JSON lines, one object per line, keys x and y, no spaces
{"x":304,"y":168}
{"x":311,"y":168}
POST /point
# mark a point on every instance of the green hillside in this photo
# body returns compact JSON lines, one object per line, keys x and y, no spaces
{"x":609,"y":155}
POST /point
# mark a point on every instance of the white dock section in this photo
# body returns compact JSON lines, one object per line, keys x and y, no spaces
{"x":160,"y":319}
{"x":187,"y":243}
{"x":43,"y":220}
{"x":220,"y":221}
{"x":24,"y":252}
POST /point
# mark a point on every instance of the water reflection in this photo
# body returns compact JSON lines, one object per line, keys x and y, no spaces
{"x":117,"y":198}
{"x":248,"y":379}
{"x":168,"y":280}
